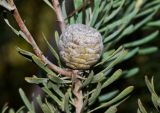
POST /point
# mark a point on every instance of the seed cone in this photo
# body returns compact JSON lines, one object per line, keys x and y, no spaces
{"x":80,"y":46}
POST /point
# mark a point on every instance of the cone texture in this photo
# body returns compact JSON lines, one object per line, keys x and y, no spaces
{"x":80,"y":46}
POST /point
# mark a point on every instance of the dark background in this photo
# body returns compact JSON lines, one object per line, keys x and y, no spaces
{"x":40,"y":18}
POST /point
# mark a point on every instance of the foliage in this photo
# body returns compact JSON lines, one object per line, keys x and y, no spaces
{"x":115,"y":20}
{"x":155,"y":98}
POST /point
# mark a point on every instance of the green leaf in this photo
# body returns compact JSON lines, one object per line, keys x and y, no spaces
{"x":11,"y":110}
{"x":151,"y":4}
{"x":51,"y":107}
{"x":116,"y":61}
{"x":155,"y":100}
{"x":114,"y":13}
{"x":20,"y":110}
{"x":36,"y":80}
{"x":113,"y":78}
{"x":49,"y":4}
{"x":66,"y":102}
{"x":144,"y":21}
{"x":122,"y":95}
{"x":148,"y":50}
{"x":51,"y":75}
{"x":56,"y":35}
{"x":64,"y":13}
{"x":53,"y":51}
{"x":150,"y":86}
{"x":154,"y":24}
{"x":131,"y":72}
{"x":72,"y":20}
{"x":138,"y":111}
{"x":95,"y":94}
{"x":125,"y":20}
{"x":56,"y":88}
{"x":114,"y":34}
{"x":131,"y":53}
{"x":112,"y":109}
{"x":26,"y":101}
{"x":24,"y":53}
{"x":4,"y":108}
{"x":18,"y":33}
{"x":77,"y":4}
{"x":143,"y":40}
{"x":98,"y":77}
{"x":108,"y":96}
{"x":128,"y":30}
{"x":57,"y":79}
{"x":148,"y":11}
{"x":106,"y":56}
{"x":100,"y":22}
{"x":88,"y":80}
{"x":43,"y":66}
{"x":141,"y":107}
{"x":88,"y":16}
{"x":95,"y":13}
{"x":46,"y":90}
{"x":43,"y":106}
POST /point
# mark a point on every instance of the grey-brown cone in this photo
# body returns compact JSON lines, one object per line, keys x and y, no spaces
{"x":80,"y":46}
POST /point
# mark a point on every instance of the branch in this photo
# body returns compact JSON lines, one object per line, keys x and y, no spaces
{"x":36,"y":49}
{"x":58,"y":12}
{"x":78,"y":101}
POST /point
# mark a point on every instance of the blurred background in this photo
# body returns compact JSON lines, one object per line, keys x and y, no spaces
{"x":40,"y":18}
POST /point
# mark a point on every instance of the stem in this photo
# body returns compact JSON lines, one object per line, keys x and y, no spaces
{"x":58,"y":12}
{"x":35,"y":47}
{"x":78,"y":101}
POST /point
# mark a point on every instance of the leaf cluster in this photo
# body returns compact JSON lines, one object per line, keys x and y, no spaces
{"x":116,"y":20}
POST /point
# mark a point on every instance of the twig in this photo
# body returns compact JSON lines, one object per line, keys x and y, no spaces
{"x":77,"y":92}
{"x":76,"y":82}
{"x":58,"y":12}
{"x":80,"y":8}
{"x":36,"y":49}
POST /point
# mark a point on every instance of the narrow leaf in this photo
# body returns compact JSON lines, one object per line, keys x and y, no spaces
{"x":98,"y":77}
{"x":46,"y":90}
{"x":144,"y":21}
{"x":26,"y":101}
{"x":43,"y":106}
{"x":95,"y":94}
{"x":154,"y":24}
{"x":155,"y":98}
{"x":112,"y":109}
{"x":88,"y":80}
{"x":131,"y":72}
{"x":113,"y":78}
{"x":11,"y":110}
{"x":143,"y":40}
{"x":141,"y":107}
{"x":131,"y":53}
{"x":108,"y":96}
{"x":53,"y":51}
{"x":49,"y":4}
{"x":56,"y":88}
{"x":4,"y":108}
{"x":36,"y":80}
{"x":95,"y":12}
{"x":66,"y":102}
{"x":148,"y":50}
{"x":56,"y":35}
{"x":18,"y":33}
{"x":20,"y":109}
{"x":122,"y":95}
